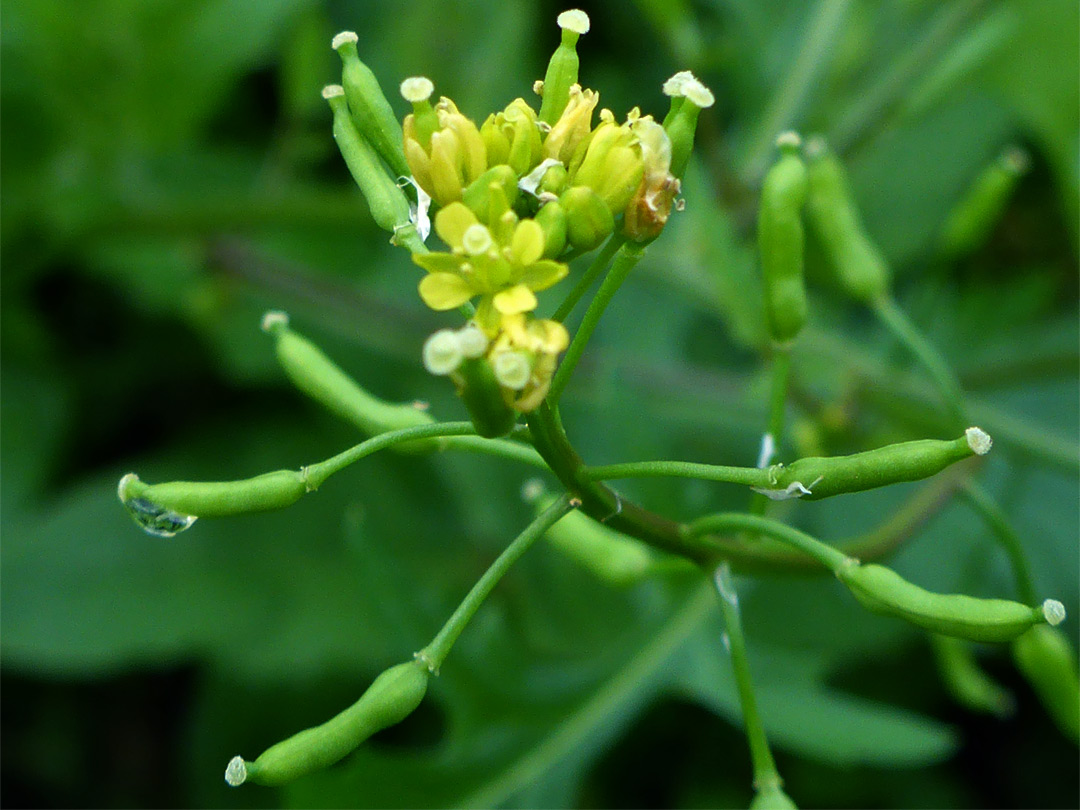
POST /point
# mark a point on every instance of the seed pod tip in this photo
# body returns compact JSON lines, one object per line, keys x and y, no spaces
{"x":344,"y":38}
{"x":275,"y":319}
{"x":125,"y":482}
{"x":698,"y":94}
{"x":1054,"y":612}
{"x":978,"y":440}
{"x":236,"y":772}
{"x":816,"y":146}
{"x":788,"y":140}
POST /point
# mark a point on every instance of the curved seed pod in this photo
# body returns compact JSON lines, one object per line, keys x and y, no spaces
{"x":605,"y":553}
{"x":392,"y":697}
{"x":562,"y":70}
{"x":491,"y":414}
{"x":814,"y":478}
{"x":371,"y":112}
{"x":1047,"y":660}
{"x":388,"y":203}
{"x":881,"y":590}
{"x":970,"y":222}
{"x":968,"y":684}
{"x":780,"y":241}
{"x":272,"y":490}
{"x":320,"y":378}
{"x":860,"y":268}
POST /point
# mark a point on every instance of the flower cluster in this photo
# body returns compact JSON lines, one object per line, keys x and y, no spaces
{"x":521,"y":192}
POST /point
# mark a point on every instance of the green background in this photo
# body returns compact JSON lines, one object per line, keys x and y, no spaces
{"x":168,"y":175}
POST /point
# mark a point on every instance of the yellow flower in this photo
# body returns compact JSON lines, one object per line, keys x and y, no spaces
{"x":502,"y":264}
{"x":524,"y":357}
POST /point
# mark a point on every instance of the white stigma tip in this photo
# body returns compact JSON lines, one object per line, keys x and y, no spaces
{"x":344,"y":38}
{"x":472,"y":340}
{"x":442,"y":352}
{"x":236,"y":772}
{"x":574,"y":20}
{"x":1015,"y":160}
{"x":416,"y":89}
{"x":273,"y":320}
{"x":333,"y":91}
{"x":788,"y":140}
{"x":978,"y":440}
{"x":1054,"y":612}
{"x":816,"y":146}
{"x":538,"y":87}
{"x":698,"y":94}
{"x":125,"y":482}
{"x":477,"y":240}
{"x":674,"y":86}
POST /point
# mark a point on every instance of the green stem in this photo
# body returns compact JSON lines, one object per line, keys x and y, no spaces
{"x":764,"y":766}
{"x":985,"y":505}
{"x":435,"y":653}
{"x":591,"y":274}
{"x":496,"y":447}
{"x":897,"y":322}
{"x":750,"y":476}
{"x":628,"y":255}
{"x":739,"y":521}
{"x":781,"y":374}
{"x":825,"y":24}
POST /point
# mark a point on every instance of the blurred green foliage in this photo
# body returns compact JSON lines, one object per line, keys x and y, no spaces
{"x":168,"y":174}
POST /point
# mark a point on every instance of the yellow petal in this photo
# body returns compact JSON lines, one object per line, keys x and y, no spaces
{"x":528,"y":242}
{"x":442,"y":291}
{"x":514,"y":300}
{"x":552,"y":336}
{"x":542,"y":274}
{"x":439,"y":262}
{"x":452,"y":222}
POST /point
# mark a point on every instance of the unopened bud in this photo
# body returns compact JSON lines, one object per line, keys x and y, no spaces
{"x":589,"y":221}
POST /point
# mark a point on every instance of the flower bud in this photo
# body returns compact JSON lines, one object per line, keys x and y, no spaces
{"x":589,"y":221}
{"x":552,"y":220}
{"x":371,"y":113}
{"x":498,"y":180}
{"x":513,"y":137}
{"x":613,"y":166}
{"x":388,"y":204}
{"x":573,"y":126}
{"x":562,"y":71}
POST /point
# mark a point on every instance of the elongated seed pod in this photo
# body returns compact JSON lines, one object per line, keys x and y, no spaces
{"x":562,"y":70}
{"x":965,"y":680}
{"x":371,"y":112}
{"x":969,"y":223}
{"x":780,"y":241}
{"x":907,"y":461}
{"x":273,"y":490}
{"x":392,"y":697}
{"x":881,"y":590}
{"x":388,"y":204}
{"x":319,"y":377}
{"x":1047,"y":660}
{"x":860,"y":269}
{"x":605,"y":553}
{"x":488,"y":408}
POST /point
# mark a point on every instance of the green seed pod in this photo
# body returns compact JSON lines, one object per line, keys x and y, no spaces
{"x":814,"y":478}
{"x":273,"y":490}
{"x":861,"y":270}
{"x":605,"y":553}
{"x":553,"y":222}
{"x":688,"y":98}
{"x":881,"y":590}
{"x":317,"y":376}
{"x":388,"y":203}
{"x":1047,"y":660}
{"x":477,"y":195}
{"x":371,"y":113}
{"x":968,"y":684}
{"x":392,"y":697}
{"x":479,"y":389}
{"x":780,"y":241}
{"x":970,"y":222}
{"x":588,"y":219}
{"x":562,"y":70}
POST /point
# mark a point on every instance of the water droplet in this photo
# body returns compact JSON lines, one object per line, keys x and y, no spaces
{"x":156,"y":519}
